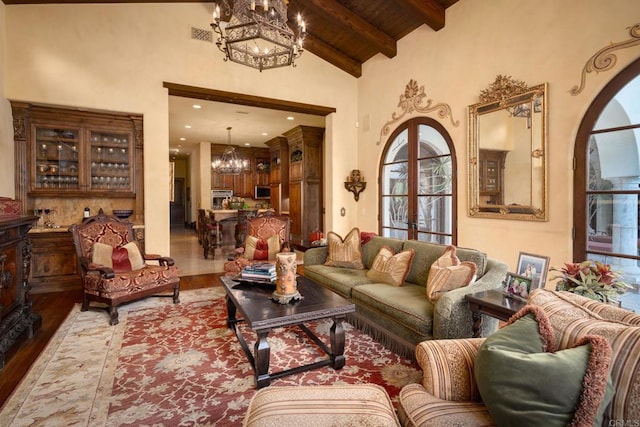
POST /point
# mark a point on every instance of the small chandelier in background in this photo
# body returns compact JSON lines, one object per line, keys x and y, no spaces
{"x":258,"y":37}
{"x":229,"y":163}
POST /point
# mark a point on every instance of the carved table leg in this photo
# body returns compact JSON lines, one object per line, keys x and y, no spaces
{"x":477,"y":323}
{"x":337,"y":343}
{"x":262,"y":354}
{"x":231,"y":314}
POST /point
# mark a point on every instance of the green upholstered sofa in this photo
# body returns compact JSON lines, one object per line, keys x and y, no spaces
{"x":401,"y":317}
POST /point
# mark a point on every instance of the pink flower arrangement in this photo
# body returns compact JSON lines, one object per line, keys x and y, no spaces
{"x":591,"y":279}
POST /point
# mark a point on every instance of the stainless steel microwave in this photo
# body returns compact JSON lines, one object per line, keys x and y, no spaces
{"x":262,"y":192}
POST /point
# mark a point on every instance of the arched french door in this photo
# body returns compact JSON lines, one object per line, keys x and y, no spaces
{"x":418,"y":183}
{"x":607,"y":180}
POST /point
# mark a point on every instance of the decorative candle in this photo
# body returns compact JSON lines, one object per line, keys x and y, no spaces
{"x":286,"y":284}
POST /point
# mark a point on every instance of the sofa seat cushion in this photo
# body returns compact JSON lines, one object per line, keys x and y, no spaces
{"x":131,"y":282}
{"x":339,"y":280}
{"x":416,"y":407}
{"x":335,"y":405}
{"x":407,"y":304}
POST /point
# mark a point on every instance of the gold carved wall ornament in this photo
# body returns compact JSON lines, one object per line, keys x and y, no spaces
{"x":412,"y":100}
{"x":504,"y":87}
{"x":604,"y":59}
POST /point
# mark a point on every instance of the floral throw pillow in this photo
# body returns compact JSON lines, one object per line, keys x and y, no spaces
{"x":344,"y":253}
{"x":448,"y":273}
{"x":391,"y":268}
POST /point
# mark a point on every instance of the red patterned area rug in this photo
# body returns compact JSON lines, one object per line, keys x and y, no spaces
{"x":170,"y":365}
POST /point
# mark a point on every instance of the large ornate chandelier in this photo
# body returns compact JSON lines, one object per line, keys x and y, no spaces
{"x":258,"y":36}
{"x":229,"y":163}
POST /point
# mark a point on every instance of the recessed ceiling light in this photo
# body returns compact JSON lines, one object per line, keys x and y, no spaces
{"x":247,"y":143}
{"x":290,"y":118}
{"x":264,"y":134}
{"x":197,"y":106}
{"x":183,"y":139}
{"x":187,"y":126}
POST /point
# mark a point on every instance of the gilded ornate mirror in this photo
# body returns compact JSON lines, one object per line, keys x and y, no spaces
{"x":508,"y":152}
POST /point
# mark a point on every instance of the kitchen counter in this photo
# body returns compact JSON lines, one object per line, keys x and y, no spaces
{"x":65,"y":228}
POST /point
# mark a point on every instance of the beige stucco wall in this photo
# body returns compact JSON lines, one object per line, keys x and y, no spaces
{"x":7,"y":173}
{"x":116,"y":57}
{"x":536,"y":41}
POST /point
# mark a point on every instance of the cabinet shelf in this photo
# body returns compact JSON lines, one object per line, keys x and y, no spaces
{"x":67,"y":152}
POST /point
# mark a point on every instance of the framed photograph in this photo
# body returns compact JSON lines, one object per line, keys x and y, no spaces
{"x":517,"y":286}
{"x":534,"y":267}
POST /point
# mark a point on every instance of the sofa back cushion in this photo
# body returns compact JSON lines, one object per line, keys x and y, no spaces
{"x":371,"y":249}
{"x":571,"y":321}
{"x":427,"y":253}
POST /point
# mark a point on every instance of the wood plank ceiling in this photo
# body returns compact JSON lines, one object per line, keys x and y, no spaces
{"x":345,"y":33}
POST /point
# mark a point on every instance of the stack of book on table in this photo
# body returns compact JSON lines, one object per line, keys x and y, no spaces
{"x":259,"y":272}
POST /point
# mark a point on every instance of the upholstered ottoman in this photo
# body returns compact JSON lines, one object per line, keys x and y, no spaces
{"x":338,"y":405}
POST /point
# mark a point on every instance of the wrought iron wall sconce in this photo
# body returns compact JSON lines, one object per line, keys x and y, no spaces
{"x":355,"y":183}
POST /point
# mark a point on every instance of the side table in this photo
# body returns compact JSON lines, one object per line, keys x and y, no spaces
{"x":494,"y":304}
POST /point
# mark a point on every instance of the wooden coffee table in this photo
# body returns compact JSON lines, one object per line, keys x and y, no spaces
{"x":262,"y":315}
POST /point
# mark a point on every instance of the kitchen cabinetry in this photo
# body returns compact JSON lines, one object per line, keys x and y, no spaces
{"x":279,"y":173}
{"x":305,"y":180}
{"x":17,"y":321}
{"x":243,"y":183}
{"x":491,"y":176}
{"x":65,"y":152}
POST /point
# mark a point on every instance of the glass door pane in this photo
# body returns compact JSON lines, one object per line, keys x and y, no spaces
{"x":110,"y":161}
{"x":56,"y":159}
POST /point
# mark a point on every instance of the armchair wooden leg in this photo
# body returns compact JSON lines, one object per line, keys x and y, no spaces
{"x":113,"y":315}
{"x":85,"y":302}
{"x":176,"y":295}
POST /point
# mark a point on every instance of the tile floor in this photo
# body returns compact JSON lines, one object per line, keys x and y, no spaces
{"x":189,"y":255}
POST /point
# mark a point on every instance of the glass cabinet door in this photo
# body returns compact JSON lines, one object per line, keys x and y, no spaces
{"x":110,"y":160}
{"x":56,"y":154}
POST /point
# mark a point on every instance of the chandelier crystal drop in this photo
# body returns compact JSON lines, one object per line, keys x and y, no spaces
{"x":230,"y":163}
{"x":258,"y":35}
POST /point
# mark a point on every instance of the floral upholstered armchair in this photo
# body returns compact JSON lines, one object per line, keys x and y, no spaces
{"x":113,"y":268}
{"x":267,"y":234}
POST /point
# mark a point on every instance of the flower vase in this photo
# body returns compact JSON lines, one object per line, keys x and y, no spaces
{"x":286,"y":284}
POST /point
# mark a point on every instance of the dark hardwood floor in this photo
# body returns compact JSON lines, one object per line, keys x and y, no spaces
{"x":54,"y":308}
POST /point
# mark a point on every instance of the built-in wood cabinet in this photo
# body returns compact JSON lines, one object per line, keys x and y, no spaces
{"x":54,"y":265}
{"x":17,"y":321}
{"x":491,"y":176}
{"x":305,"y":179}
{"x":279,"y":173}
{"x":70,"y":152}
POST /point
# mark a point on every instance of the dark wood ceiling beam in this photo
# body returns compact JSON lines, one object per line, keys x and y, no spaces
{"x":195,"y":92}
{"x":333,"y":56}
{"x":429,"y":11}
{"x":354,"y":24}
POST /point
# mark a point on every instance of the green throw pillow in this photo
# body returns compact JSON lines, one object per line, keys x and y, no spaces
{"x":523,"y":381}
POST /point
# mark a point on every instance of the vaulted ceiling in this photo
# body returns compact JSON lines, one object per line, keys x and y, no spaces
{"x":345,"y":33}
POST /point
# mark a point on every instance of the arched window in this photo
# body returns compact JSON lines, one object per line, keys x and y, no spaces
{"x":418,"y":183}
{"x":607,"y":180}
